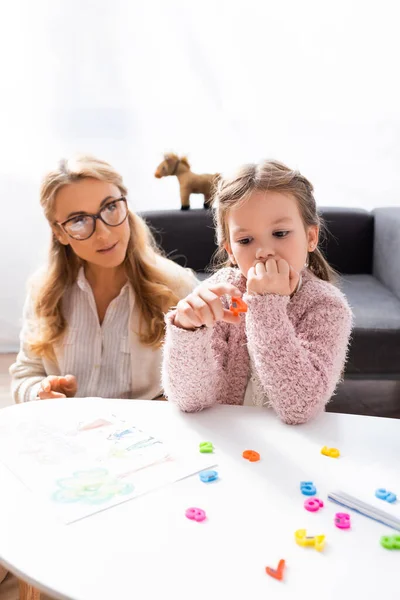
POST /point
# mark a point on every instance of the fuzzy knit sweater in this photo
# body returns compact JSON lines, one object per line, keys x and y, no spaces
{"x":298,"y":348}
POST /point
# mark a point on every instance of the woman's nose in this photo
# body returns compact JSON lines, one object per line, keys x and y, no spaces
{"x":102,"y":231}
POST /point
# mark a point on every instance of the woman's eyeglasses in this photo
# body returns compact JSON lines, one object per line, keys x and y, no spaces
{"x":82,"y":227}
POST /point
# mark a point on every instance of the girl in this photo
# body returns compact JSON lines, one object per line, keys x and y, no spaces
{"x":288,"y":351}
{"x":94,"y":319}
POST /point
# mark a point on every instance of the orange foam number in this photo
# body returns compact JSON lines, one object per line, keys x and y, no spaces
{"x":278,"y":573}
{"x":251,"y":455}
{"x":237,"y":306}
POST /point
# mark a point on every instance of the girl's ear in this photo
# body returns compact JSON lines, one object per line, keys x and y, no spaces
{"x":312,"y":237}
{"x":229,"y":251}
{"x":60,"y":235}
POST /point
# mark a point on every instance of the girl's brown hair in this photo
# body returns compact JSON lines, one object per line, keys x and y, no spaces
{"x":267,"y":176}
{"x":153,"y":289}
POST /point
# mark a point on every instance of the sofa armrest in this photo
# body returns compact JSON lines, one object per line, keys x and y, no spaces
{"x":386,"y":262}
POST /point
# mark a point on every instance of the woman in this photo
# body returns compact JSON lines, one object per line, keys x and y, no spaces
{"x":94,"y":318}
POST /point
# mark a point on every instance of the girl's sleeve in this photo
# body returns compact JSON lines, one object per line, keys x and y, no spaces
{"x":28,"y":370}
{"x":193,"y":373}
{"x":298,"y":369}
{"x":196,"y":364}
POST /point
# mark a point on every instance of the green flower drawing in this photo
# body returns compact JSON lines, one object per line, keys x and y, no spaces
{"x":90,"y":487}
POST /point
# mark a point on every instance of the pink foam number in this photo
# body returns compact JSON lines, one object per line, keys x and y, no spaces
{"x":196,"y":514}
{"x":342,"y":520}
{"x":313,"y":504}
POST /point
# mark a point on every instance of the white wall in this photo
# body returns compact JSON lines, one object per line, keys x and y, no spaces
{"x":312,"y":83}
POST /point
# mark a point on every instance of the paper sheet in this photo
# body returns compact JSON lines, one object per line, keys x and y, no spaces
{"x":83,"y":467}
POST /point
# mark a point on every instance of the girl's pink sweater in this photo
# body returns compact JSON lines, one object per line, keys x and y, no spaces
{"x":298,"y":346}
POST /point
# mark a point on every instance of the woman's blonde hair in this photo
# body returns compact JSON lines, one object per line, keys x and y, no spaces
{"x":267,"y":176}
{"x":152,"y":287}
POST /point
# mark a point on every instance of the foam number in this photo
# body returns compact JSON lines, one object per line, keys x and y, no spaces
{"x":195,"y":514}
{"x":317,"y":541}
{"x":390,"y":542}
{"x":207,"y":476}
{"x":237,"y":306}
{"x":342,"y":520}
{"x":276,"y":573}
{"x":313,"y":504}
{"x":206,"y":447}
{"x":383,"y":494}
{"x":332,"y":452}
{"x":251,"y":455}
{"x":307,"y":488}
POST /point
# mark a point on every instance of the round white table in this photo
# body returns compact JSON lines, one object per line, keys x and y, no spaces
{"x":146,"y":548}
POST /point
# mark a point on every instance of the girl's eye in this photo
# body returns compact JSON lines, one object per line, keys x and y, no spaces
{"x":281,"y":234}
{"x":244,"y":241}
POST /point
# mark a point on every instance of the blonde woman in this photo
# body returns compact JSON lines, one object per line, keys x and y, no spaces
{"x":94,"y":318}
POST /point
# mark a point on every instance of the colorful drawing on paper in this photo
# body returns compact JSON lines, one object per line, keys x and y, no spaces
{"x":119,"y":435}
{"x":93,"y":424}
{"x":95,"y":486}
{"x":82,"y":464}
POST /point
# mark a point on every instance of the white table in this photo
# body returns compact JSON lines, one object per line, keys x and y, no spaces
{"x":146,"y":548}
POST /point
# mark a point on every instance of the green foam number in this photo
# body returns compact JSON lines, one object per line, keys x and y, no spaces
{"x":206,"y":447}
{"x":391,"y":542}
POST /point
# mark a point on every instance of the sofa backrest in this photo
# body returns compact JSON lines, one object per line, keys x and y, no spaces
{"x":188,"y":237}
{"x":349,"y":241}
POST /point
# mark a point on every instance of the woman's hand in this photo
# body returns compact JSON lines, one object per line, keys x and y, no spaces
{"x":204,"y":307}
{"x":272,"y":277}
{"x":58,"y":387}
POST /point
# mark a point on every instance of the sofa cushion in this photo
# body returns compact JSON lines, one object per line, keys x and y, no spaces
{"x":375,"y":346}
{"x":386,"y":266}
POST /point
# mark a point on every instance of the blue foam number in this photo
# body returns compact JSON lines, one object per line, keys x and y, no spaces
{"x":307,"y":488}
{"x":383,"y":494}
{"x":207,"y":476}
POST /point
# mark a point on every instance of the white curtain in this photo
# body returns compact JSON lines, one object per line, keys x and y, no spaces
{"x":309,"y":82}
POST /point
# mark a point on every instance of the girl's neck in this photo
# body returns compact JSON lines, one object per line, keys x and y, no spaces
{"x":102,"y":278}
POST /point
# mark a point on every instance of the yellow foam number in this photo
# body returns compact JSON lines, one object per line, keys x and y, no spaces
{"x":317,"y":541}
{"x":332,"y":452}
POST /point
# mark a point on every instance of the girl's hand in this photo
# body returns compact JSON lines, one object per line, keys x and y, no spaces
{"x":272,"y":277}
{"x":58,"y":387}
{"x":204,"y":307}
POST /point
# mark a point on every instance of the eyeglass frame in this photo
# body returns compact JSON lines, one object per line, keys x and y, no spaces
{"x":94,"y":218}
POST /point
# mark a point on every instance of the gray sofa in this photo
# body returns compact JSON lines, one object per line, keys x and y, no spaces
{"x":364,"y":247}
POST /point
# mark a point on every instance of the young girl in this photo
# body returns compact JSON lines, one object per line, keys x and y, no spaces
{"x":94,"y":319}
{"x":288,"y":351}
